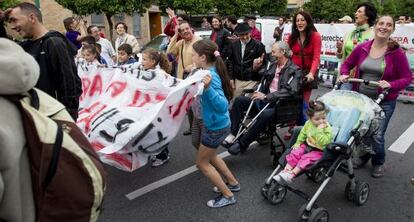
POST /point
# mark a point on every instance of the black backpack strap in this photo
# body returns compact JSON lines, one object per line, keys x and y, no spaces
{"x":34,"y":99}
{"x":51,"y":171}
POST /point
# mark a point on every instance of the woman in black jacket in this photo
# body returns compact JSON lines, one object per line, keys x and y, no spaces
{"x":220,"y":35}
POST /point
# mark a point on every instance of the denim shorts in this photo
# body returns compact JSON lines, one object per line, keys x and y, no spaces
{"x":213,"y":138}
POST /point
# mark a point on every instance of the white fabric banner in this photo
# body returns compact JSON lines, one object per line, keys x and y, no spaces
{"x":129,"y":114}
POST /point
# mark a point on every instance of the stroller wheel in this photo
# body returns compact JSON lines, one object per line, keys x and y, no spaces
{"x":319,"y":214}
{"x":349,"y":192}
{"x":276,"y":193}
{"x":304,"y":214}
{"x":361,"y":193}
{"x":265,"y":189}
{"x":317,"y":175}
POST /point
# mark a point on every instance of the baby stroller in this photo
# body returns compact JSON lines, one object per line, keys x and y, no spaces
{"x":351,"y":116}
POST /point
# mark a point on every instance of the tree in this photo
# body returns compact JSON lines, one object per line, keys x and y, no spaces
{"x":389,"y":8}
{"x":108,"y":7}
{"x":273,"y":7}
{"x":237,"y":7}
{"x":194,"y":7}
{"x":329,"y":10}
{"x":8,"y":3}
{"x":405,"y":7}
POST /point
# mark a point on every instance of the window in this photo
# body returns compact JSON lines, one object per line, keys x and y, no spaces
{"x":97,"y":19}
{"x":119,"y":18}
{"x":137,"y":25}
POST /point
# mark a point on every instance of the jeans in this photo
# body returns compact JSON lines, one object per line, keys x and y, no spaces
{"x":377,"y":140}
{"x":346,"y":86}
{"x":240,"y":105}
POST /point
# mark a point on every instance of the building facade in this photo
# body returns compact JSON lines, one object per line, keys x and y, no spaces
{"x":143,"y":27}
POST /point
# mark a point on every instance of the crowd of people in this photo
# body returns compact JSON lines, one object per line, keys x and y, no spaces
{"x":236,"y":59}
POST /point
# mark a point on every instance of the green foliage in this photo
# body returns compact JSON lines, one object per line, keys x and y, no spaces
{"x":273,"y":7}
{"x":194,"y":7}
{"x":8,"y":3}
{"x":237,"y":7}
{"x":107,"y":7}
{"x":405,"y":7}
{"x":226,"y":7}
{"x":389,"y":8}
{"x":330,"y":10}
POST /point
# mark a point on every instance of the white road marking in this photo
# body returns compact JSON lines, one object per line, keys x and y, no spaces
{"x":153,"y":186}
{"x":402,"y":144}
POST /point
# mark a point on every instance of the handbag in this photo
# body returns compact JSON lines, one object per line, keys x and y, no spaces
{"x":314,"y":83}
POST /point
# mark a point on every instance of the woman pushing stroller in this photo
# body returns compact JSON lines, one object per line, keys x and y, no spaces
{"x":312,"y":140}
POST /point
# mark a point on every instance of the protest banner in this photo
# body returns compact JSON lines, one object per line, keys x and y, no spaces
{"x":129,"y":114}
{"x":331,"y":33}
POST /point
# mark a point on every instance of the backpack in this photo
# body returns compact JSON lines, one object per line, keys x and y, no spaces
{"x":68,"y":179}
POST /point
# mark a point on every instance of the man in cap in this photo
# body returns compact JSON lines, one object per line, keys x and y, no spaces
{"x":255,"y":33}
{"x":346,"y":20}
{"x":243,"y":53}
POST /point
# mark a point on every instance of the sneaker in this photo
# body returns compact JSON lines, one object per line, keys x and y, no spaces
{"x":232,"y":188}
{"x":228,"y":141}
{"x":159,"y":162}
{"x":277,"y":178}
{"x":221,"y":201}
{"x":286,"y":177}
{"x":234,"y":149}
{"x":378,"y":171}
{"x":358,"y":162}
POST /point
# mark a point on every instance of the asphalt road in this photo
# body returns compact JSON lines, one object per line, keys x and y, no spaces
{"x":391,"y":197}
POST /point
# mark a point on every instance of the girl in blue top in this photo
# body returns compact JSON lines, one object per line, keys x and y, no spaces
{"x":213,"y":111}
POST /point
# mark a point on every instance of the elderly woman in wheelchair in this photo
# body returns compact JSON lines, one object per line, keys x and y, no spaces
{"x":281,"y":81}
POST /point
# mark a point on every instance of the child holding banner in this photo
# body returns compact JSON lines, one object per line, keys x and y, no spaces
{"x":90,"y":54}
{"x":152,"y":59}
{"x":215,"y":125}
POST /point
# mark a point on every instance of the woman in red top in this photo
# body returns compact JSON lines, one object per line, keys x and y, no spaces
{"x":304,"y":34}
{"x":305,"y":43}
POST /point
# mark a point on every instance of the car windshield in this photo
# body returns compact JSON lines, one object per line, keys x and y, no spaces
{"x":154,"y":43}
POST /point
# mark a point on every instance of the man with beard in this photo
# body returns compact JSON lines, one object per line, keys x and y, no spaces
{"x":54,"y":53}
{"x":182,"y":49}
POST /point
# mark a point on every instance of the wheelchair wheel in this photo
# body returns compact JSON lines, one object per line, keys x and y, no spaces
{"x":361,"y":193}
{"x":349,"y":193}
{"x":263,"y":139}
{"x":276,"y":193}
{"x":319,"y":214}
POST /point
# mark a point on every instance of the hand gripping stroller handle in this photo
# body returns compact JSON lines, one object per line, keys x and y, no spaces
{"x":381,"y":96}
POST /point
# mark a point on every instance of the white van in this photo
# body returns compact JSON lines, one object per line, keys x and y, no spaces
{"x":266,"y":27}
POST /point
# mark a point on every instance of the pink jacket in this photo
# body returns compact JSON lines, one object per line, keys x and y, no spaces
{"x":396,"y":71}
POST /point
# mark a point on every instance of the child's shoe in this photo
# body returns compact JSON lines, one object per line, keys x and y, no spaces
{"x":286,"y":177}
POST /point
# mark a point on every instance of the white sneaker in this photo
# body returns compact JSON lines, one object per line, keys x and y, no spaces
{"x":159,"y":162}
{"x":286,"y":177}
{"x":230,"y":138}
